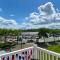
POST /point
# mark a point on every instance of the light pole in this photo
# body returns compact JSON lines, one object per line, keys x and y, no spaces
{"x":21,"y":41}
{"x":17,"y":39}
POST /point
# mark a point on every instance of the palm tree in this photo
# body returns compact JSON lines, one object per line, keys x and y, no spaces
{"x":5,"y":35}
{"x":43,"y":33}
{"x":54,"y":32}
{"x":17,"y":39}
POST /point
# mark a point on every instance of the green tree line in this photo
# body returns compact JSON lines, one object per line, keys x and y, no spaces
{"x":5,"y":32}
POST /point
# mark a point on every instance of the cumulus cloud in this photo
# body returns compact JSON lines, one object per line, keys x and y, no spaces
{"x":47,"y":17}
{"x":47,"y":9}
{"x":8,"y":23}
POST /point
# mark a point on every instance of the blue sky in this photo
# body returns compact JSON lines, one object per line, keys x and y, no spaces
{"x":19,"y":12}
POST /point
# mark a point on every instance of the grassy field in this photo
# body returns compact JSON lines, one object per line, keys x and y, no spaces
{"x":55,"y":48}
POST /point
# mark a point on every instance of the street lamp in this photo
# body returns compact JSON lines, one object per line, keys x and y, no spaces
{"x":21,"y":41}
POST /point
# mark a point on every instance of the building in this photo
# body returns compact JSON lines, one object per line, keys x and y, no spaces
{"x":8,"y":38}
{"x":29,"y":36}
{"x":11,"y":38}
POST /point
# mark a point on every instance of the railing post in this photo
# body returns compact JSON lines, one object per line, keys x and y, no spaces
{"x":0,"y":57}
{"x":46,"y":56}
{"x":49,"y":56}
{"x":56,"y":57}
{"x":43,"y":55}
{"x":52,"y":57}
{"x":40,"y":55}
{"x":35,"y":52}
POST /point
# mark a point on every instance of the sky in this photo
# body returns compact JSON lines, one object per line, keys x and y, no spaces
{"x":29,"y":14}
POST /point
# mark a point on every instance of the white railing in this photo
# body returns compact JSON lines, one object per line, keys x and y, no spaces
{"x":31,"y":53}
{"x":23,"y":54}
{"x":44,"y":54}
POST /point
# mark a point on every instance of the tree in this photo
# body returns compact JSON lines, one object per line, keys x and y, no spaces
{"x":17,"y":39}
{"x":54,"y":33}
{"x":43,"y":33}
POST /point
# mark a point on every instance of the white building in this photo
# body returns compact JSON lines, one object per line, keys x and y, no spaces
{"x":29,"y":36}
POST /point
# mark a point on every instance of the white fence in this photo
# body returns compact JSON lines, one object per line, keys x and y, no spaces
{"x":31,"y":53}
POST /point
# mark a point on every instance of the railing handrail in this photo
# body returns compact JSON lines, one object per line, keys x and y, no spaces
{"x":48,"y":51}
{"x":17,"y":51}
{"x":35,"y":49}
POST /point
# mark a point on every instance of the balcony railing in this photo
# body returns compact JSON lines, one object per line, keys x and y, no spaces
{"x":44,"y":54}
{"x":31,"y":53}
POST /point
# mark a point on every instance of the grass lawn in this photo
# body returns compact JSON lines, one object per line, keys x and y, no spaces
{"x":55,"y":48}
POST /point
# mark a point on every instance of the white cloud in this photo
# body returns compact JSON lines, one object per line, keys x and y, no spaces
{"x":46,"y":17}
{"x":8,"y":23}
{"x":47,"y":9}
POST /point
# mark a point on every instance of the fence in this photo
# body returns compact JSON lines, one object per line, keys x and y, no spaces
{"x":23,"y":54}
{"x":33,"y":52}
{"x":44,"y":54}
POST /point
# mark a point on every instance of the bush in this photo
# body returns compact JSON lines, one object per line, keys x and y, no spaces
{"x":6,"y":45}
